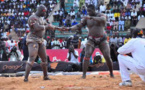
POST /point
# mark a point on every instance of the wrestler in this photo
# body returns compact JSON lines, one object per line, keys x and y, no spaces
{"x":96,"y":36}
{"x":34,"y":41}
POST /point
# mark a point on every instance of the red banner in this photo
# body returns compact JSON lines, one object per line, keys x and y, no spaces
{"x":61,"y":54}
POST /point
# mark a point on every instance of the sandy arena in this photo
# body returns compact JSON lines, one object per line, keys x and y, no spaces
{"x":70,"y":82}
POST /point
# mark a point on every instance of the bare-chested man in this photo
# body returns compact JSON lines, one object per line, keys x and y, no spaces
{"x":35,"y":41}
{"x":96,"y":24}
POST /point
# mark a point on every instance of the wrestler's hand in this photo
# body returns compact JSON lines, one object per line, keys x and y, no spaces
{"x":59,"y":28}
{"x":67,"y":29}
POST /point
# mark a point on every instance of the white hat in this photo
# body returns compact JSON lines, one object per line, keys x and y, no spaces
{"x":97,"y":53}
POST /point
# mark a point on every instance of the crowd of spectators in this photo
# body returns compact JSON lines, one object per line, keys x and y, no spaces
{"x":121,"y":15}
{"x":16,"y":13}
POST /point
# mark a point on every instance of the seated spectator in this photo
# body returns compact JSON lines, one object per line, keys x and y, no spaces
{"x":74,"y":23}
{"x":120,"y":41}
{"x":121,"y":25}
{"x":128,"y":7}
{"x":72,"y":13}
{"x":71,"y":8}
{"x":87,"y":2}
{"x":78,"y":14}
{"x":134,"y":17}
{"x":55,"y":16}
{"x":140,"y":16}
{"x":127,"y":38}
{"x":60,"y":14}
{"x":73,"y":58}
{"x":84,"y":11}
{"x":55,"y":44}
{"x":15,"y":54}
{"x":51,"y":6}
{"x":127,"y":24}
{"x":127,"y":13}
{"x":113,"y":40}
{"x":128,"y":17}
{"x":102,"y":8}
{"x":111,"y":23}
{"x":109,"y":27}
{"x":115,"y":25}
{"x":122,"y":17}
{"x":123,"y":12}
{"x":68,"y":21}
{"x":76,"y":3}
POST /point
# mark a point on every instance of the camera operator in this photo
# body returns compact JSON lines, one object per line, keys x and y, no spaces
{"x":3,"y":51}
{"x":73,"y":58}
{"x":14,"y":54}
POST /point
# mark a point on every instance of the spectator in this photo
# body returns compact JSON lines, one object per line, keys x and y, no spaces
{"x":134,"y":17}
{"x":68,"y":21}
{"x":72,"y":14}
{"x":76,"y":3}
{"x":140,"y":16}
{"x":14,"y":54}
{"x":84,"y":11}
{"x":55,"y":44}
{"x":115,"y":25}
{"x":78,"y":14}
{"x":3,"y":51}
{"x":126,"y":39}
{"x":132,"y":57}
{"x":64,"y":44}
{"x":55,"y":16}
{"x":121,"y":25}
{"x":82,"y":2}
{"x":102,"y":8}
{"x":73,"y":57}
{"x":62,"y":6}
{"x":127,"y":24}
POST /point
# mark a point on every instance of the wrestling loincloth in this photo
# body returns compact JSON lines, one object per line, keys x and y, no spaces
{"x":33,"y":38}
{"x":96,"y":40}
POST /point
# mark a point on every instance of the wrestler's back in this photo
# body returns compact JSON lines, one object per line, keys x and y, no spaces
{"x":38,"y":20}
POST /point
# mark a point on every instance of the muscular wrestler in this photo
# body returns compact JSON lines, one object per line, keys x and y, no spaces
{"x":96,"y":36}
{"x":35,"y":41}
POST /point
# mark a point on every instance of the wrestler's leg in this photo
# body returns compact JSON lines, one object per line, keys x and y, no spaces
{"x":33,"y":51}
{"x":105,"y":49}
{"x":43,"y":56}
{"x":88,"y":52}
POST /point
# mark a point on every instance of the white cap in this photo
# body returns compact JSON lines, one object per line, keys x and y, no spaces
{"x":97,"y":53}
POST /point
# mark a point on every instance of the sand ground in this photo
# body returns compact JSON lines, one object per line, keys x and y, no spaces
{"x":70,"y":82}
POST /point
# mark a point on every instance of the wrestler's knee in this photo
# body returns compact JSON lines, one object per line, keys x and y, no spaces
{"x":31,"y":60}
{"x":44,"y":63}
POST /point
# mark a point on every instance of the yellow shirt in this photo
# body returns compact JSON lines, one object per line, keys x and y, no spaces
{"x":126,"y":40}
{"x":116,"y":14}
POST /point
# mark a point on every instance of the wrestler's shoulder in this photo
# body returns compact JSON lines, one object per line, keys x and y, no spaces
{"x":33,"y":17}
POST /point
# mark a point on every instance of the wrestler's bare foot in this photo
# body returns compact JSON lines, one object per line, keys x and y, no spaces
{"x":84,"y":77}
{"x":46,"y":78}
{"x":25,"y":80}
{"x":111,"y":75}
